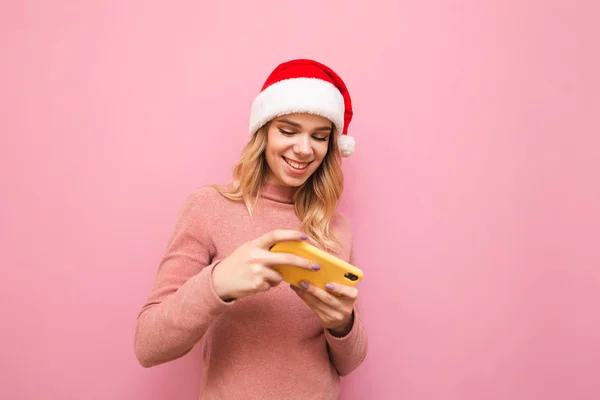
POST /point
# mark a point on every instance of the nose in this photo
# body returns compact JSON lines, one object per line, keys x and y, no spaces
{"x":303,"y":145}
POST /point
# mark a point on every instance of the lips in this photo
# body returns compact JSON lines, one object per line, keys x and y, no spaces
{"x":300,"y":166}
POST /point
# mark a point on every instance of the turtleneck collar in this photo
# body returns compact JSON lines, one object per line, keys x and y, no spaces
{"x":278,"y":193}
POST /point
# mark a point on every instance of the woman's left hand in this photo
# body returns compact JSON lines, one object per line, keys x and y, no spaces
{"x":333,"y":306}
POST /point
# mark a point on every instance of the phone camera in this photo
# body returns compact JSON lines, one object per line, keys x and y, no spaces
{"x":351,"y":276}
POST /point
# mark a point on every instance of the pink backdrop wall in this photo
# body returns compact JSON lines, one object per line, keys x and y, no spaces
{"x":474,"y":190}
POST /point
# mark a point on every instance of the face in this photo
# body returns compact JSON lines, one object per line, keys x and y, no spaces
{"x":296,"y":147}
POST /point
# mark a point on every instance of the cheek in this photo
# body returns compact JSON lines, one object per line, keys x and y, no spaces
{"x":321,"y":150}
{"x":271,"y":151}
{"x":276,"y":145}
{"x":272,"y":158}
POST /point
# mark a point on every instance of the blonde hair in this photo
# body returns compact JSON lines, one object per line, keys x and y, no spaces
{"x":315,"y":201}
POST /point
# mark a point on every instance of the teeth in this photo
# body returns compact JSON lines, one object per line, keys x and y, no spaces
{"x":295,"y":165}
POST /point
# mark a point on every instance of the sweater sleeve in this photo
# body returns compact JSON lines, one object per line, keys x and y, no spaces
{"x":182,"y":303}
{"x":348,"y":352}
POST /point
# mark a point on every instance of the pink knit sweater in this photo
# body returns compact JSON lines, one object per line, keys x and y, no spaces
{"x":266,"y":346}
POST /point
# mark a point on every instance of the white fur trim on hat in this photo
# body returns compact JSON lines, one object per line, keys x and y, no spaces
{"x":298,"y":95}
{"x":347,"y":145}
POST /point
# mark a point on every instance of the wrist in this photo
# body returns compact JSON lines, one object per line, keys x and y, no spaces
{"x":217,"y":286}
{"x":343,"y":329}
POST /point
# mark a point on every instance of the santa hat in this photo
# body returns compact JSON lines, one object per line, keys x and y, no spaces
{"x":305,"y":86}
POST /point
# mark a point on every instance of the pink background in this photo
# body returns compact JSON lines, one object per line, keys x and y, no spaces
{"x":474,"y":191}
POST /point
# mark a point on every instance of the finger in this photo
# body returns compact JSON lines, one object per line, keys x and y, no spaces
{"x":274,"y":259}
{"x":267,"y":240}
{"x":318,"y":306}
{"x":326,"y":298}
{"x":348,"y":292}
{"x":273,"y":277}
{"x":264,"y":286}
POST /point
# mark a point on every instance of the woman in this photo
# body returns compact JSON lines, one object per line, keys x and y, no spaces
{"x":215,"y":284}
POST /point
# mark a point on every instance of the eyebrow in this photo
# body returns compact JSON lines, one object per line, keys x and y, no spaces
{"x":297,"y":125}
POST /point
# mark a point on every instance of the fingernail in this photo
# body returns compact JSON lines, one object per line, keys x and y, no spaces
{"x":303,"y":237}
{"x":330,"y":286}
{"x":316,"y":267}
{"x":304,"y":285}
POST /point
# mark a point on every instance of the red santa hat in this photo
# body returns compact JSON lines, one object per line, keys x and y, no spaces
{"x":305,"y":86}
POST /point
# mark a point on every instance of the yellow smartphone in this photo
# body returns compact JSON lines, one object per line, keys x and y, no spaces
{"x":333,"y":269}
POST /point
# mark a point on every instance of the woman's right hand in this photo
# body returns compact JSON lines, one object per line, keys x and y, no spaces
{"x":248,"y":269}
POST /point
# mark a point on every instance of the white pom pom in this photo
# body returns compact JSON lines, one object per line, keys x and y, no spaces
{"x":347,"y":145}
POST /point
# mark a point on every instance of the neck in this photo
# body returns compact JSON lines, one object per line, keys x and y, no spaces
{"x":278,"y":193}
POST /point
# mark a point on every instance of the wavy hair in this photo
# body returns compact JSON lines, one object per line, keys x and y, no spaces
{"x":315,"y":201}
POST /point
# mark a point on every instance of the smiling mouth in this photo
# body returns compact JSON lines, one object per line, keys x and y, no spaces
{"x":296,"y":165}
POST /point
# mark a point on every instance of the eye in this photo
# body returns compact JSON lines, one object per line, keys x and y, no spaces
{"x":287,"y":133}
{"x":321,"y":139}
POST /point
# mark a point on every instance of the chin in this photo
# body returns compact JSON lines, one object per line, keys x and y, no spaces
{"x":293,"y":182}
